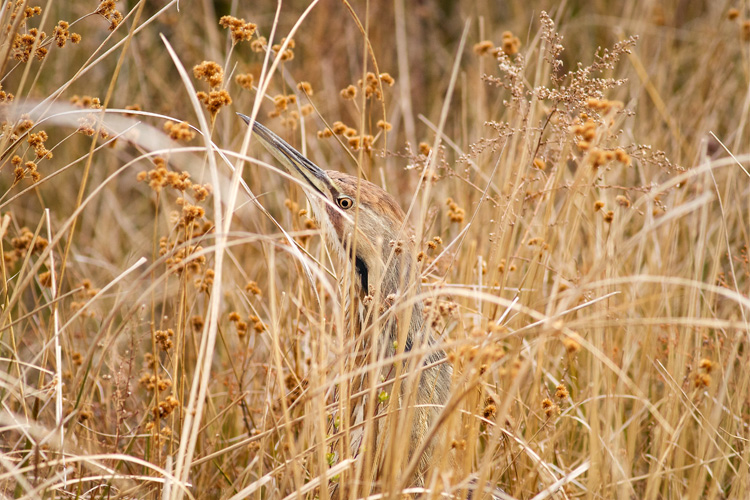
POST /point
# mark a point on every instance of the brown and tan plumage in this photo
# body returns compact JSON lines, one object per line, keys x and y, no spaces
{"x":380,"y":272}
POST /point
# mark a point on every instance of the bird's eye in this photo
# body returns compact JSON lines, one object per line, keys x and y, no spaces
{"x":344,"y":202}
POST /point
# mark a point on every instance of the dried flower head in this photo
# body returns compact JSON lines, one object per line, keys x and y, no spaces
{"x":214,"y":100}
{"x":253,"y":288}
{"x":62,"y":34}
{"x":349,"y":92}
{"x":550,"y":408}
{"x":455,"y":213}
{"x":561,"y":392}
{"x":209,"y":71}
{"x":510,"y":43}
{"x":305,"y":88}
{"x":384,"y":125}
{"x":483,"y":48}
{"x":245,"y":80}
{"x":179,"y":131}
{"x":239,"y":28}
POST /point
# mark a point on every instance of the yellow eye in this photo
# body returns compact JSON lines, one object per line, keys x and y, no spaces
{"x":344,"y":202}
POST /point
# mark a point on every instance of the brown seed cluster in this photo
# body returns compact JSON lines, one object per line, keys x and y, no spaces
{"x":305,"y":88}
{"x":204,"y":283}
{"x":184,"y":258}
{"x":179,"y":131}
{"x":253,"y":288}
{"x":586,"y":131}
{"x":571,"y":345}
{"x":501,"y":268}
{"x":166,"y":407}
{"x":349,"y":93}
{"x":259,"y":44}
{"x":258,"y":325}
{"x":483,"y":48}
{"x":703,"y":377}
{"x":37,"y":141}
{"x":604,"y":105}
{"x":490,"y":409}
{"x":132,"y":107}
{"x":245,"y":80}
{"x":289,"y":117}
{"x":85,"y":102}
{"x":623,"y":201}
{"x":371,"y":86}
{"x":107,"y":10}
{"x":87,"y":124}
{"x":26,"y":242}
{"x":27,"y":170}
{"x":733,"y":14}
{"x":241,"y":325}
{"x":5,"y":97}
{"x":45,"y":279}
{"x":160,"y":177}
{"x":152,"y":382}
{"x":288,"y":53}
{"x":455,"y":213}
{"x":164,"y":338}
{"x":62,"y":34}
{"x":23,"y":44}
{"x":550,"y":408}
{"x":382,"y":124}
{"x":216,"y":98}
{"x":209,"y":71}
{"x":240,"y":29}
{"x":510,"y":44}
{"x":338,"y":128}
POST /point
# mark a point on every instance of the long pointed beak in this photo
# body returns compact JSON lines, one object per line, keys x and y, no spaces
{"x":308,"y":173}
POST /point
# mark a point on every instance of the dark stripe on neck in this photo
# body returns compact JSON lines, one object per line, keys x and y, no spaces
{"x":361,"y":268}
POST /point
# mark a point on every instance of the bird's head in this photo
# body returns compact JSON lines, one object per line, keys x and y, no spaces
{"x":383,"y":254}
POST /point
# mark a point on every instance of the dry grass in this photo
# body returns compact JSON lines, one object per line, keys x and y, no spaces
{"x":583,"y":232}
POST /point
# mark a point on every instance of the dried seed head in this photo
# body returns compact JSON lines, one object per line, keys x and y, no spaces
{"x":209,"y":71}
{"x":349,"y":92}
{"x":483,"y":48}
{"x":561,"y":392}
{"x":245,"y":80}
{"x":510,"y":43}
{"x":240,"y":30}
{"x":384,"y":125}
{"x":623,"y":201}
{"x":305,"y":87}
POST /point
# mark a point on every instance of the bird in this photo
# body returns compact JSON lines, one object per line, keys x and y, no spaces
{"x":381,"y":262}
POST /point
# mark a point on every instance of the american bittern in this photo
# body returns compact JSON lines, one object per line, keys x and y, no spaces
{"x":384,"y":265}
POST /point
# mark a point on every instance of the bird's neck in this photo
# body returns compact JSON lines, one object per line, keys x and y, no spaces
{"x":390,"y":302}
